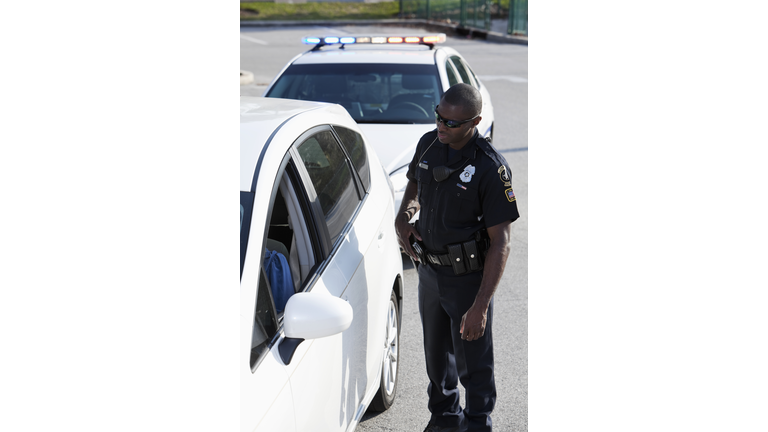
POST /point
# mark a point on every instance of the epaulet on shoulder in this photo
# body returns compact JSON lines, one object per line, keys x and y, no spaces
{"x":485,"y":145}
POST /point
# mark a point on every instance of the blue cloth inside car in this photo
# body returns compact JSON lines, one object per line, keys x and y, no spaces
{"x":279,"y":276}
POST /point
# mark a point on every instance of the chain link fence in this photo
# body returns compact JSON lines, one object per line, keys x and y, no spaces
{"x":471,"y":13}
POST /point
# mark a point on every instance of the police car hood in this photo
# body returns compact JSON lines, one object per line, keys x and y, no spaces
{"x":394,"y":144}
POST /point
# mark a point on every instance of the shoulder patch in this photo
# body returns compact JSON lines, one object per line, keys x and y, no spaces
{"x":510,"y":195}
{"x":504,"y":176}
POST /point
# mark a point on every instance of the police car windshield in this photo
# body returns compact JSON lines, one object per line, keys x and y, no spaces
{"x":371,"y":93}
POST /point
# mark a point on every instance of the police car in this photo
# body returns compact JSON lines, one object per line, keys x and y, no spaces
{"x":390,"y":85}
{"x":321,"y":282}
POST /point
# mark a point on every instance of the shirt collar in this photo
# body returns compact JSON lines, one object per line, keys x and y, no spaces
{"x":469,"y":151}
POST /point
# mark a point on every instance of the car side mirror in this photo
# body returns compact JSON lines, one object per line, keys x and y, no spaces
{"x":310,"y":315}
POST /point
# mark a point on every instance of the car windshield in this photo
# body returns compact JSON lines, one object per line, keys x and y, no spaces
{"x":371,"y":93}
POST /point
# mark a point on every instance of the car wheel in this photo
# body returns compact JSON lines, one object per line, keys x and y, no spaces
{"x":385,"y":396}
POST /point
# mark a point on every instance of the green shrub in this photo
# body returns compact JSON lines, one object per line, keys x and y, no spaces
{"x":318,"y":11}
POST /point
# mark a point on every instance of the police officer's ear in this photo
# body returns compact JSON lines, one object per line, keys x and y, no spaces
{"x":476,"y":121}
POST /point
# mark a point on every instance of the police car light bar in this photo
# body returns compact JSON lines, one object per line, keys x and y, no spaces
{"x":429,"y":40}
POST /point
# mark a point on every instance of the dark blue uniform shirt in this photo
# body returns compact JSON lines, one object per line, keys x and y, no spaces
{"x":477,"y":195}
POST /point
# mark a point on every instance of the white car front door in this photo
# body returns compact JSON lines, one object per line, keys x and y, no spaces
{"x":331,"y":379}
{"x":266,"y":400}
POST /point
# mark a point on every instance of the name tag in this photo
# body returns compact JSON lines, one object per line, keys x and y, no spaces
{"x":422,"y":165}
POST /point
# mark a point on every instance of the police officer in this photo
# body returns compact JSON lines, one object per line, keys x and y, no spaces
{"x":462,"y":187}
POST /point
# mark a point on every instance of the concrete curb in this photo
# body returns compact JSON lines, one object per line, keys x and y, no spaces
{"x":453,"y":29}
{"x":246,"y":77}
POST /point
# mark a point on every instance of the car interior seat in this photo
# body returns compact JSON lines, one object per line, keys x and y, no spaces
{"x":333,"y":89}
{"x":422,"y":94}
{"x":300,"y":259}
{"x":281,"y":233}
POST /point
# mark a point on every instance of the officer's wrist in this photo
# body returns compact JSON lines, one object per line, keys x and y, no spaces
{"x":404,"y":217}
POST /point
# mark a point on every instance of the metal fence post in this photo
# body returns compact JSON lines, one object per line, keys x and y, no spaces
{"x":427,"y":10}
{"x":525,"y":18}
{"x":518,"y":17}
{"x":487,"y":15}
{"x":463,"y":14}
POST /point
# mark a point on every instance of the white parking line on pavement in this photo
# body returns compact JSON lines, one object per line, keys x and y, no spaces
{"x":514,"y":79}
{"x":254,"y":40}
{"x":332,"y":30}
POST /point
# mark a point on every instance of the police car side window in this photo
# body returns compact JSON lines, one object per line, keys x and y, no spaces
{"x":452,"y":79}
{"x":353,"y":144}
{"x":331,"y":177}
{"x":462,"y":71}
{"x":475,"y":81}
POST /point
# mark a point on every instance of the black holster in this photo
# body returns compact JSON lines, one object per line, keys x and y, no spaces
{"x":419,"y":251}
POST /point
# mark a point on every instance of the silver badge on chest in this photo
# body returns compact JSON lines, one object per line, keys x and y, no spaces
{"x":466,"y":176}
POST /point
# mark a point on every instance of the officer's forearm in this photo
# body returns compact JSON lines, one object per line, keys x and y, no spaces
{"x":410,"y":204}
{"x":495,"y":261}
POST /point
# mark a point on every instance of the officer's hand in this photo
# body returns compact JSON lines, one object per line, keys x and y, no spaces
{"x":473,"y":323}
{"x":404,"y":231}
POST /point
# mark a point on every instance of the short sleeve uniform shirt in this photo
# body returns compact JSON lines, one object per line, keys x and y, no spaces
{"x":477,"y":195}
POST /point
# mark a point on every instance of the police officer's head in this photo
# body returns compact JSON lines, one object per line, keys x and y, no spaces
{"x":457,"y":115}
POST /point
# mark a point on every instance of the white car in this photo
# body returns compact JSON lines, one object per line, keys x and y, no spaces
{"x":321,"y":282}
{"x":390,"y":84}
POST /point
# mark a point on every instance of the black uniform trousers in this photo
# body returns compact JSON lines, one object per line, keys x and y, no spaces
{"x":443,"y":299}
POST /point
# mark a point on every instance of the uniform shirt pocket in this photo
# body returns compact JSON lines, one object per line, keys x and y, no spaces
{"x":463,"y":203}
{"x":424,"y":178}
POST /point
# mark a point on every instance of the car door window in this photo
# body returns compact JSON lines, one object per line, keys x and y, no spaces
{"x":288,"y":257}
{"x":246,"y":207}
{"x":462,"y":71}
{"x":331,"y":177}
{"x":355,"y":147}
{"x":452,"y":79}
{"x":265,"y":321}
{"x":474,"y":76}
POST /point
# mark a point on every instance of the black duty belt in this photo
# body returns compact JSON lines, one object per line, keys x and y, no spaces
{"x":463,"y":257}
{"x":444,"y":260}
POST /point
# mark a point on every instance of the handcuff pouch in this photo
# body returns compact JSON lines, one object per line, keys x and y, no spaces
{"x":474,"y":261}
{"x":457,"y":259}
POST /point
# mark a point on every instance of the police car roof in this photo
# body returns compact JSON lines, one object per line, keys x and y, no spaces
{"x":403,"y":54}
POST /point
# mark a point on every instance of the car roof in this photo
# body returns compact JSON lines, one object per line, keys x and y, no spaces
{"x":359,"y":54}
{"x":264,"y":120}
{"x":259,"y":118}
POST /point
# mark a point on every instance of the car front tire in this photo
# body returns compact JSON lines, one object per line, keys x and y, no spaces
{"x":385,"y":396}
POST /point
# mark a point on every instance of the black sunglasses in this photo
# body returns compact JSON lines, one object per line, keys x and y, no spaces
{"x":451,"y":123}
